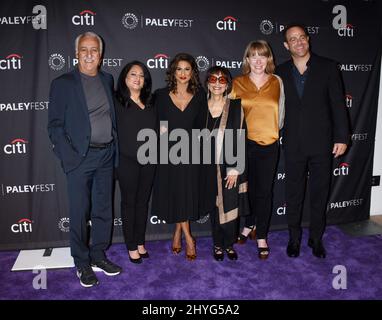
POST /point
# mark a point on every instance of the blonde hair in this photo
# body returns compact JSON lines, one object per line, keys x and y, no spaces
{"x":263,"y":49}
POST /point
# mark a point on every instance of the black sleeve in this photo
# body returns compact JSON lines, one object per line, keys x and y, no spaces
{"x":337,"y":106}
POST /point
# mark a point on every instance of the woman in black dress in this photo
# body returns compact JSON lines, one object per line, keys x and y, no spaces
{"x":134,"y":113}
{"x":176,"y":190}
{"x":223,"y":181}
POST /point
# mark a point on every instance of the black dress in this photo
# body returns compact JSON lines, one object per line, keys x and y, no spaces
{"x":208,"y":171}
{"x":176,"y":186}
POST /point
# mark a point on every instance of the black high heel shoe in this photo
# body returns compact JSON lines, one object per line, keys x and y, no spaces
{"x":135,"y":260}
{"x":263,"y":252}
{"x":145,"y":255}
{"x":231,"y":253}
{"x":218,"y":253}
{"x":251,"y":235}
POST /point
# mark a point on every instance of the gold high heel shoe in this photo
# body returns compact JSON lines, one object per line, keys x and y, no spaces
{"x":191,"y":257}
{"x":175,"y":249}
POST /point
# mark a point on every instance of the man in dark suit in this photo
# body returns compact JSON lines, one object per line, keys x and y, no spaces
{"x":316,"y":128}
{"x":83,"y":133}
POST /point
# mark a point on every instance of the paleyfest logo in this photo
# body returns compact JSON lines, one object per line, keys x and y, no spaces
{"x":56,"y":61}
{"x":202,"y":63}
{"x":39,"y":20}
{"x":130,"y":21}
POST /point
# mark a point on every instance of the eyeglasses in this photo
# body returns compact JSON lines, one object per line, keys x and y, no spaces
{"x":214,"y":79}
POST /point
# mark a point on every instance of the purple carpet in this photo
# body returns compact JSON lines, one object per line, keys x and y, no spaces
{"x":165,"y":276}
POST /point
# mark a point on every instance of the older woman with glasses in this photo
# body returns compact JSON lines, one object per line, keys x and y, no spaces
{"x":223,"y":189}
{"x":262,"y":96}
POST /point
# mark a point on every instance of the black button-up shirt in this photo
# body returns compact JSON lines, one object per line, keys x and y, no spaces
{"x":300,"y":79}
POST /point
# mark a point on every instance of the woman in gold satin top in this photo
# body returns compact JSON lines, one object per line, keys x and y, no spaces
{"x":262,"y":97}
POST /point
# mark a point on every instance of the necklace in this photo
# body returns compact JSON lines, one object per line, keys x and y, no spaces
{"x":214,"y":125}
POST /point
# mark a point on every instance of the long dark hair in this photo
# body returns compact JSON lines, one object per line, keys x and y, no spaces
{"x":194,"y":83}
{"x":123,"y":93}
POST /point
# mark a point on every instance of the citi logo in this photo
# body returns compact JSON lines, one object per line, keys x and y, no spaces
{"x":342,"y":170}
{"x":228,"y":23}
{"x":11,"y":62}
{"x":17,"y":146}
{"x":349,"y":100}
{"x":281,"y":210}
{"x":348,"y":31}
{"x":85,"y":18}
{"x":160,"y":61}
{"x":23,"y":225}
{"x":155,"y":220}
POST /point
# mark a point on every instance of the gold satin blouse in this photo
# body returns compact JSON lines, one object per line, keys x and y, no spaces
{"x":261,"y":108}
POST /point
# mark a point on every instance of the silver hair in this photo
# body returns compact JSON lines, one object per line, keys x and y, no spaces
{"x":89,"y":34}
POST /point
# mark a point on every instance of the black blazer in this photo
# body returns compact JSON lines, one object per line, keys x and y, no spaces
{"x":68,"y":118}
{"x":319,"y":119}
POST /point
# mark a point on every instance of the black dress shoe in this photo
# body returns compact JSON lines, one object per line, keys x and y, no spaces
{"x":218,"y":253}
{"x":318,"y":249}
{"x":136,"y":261}
{"x":293,"y":249}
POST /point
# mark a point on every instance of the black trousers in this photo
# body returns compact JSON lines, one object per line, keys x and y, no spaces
{"x":90,"y":198}
{"x":223,"y":235}
{"x":262,"y":165}
{"x":135,"y":181}
{"x":297,"y":167}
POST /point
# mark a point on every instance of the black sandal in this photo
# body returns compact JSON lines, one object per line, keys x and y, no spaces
{"x":241,"y":239}
{"x":263,"y":253}
{"x":231,"y":253}
{"x":218,"y":253}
